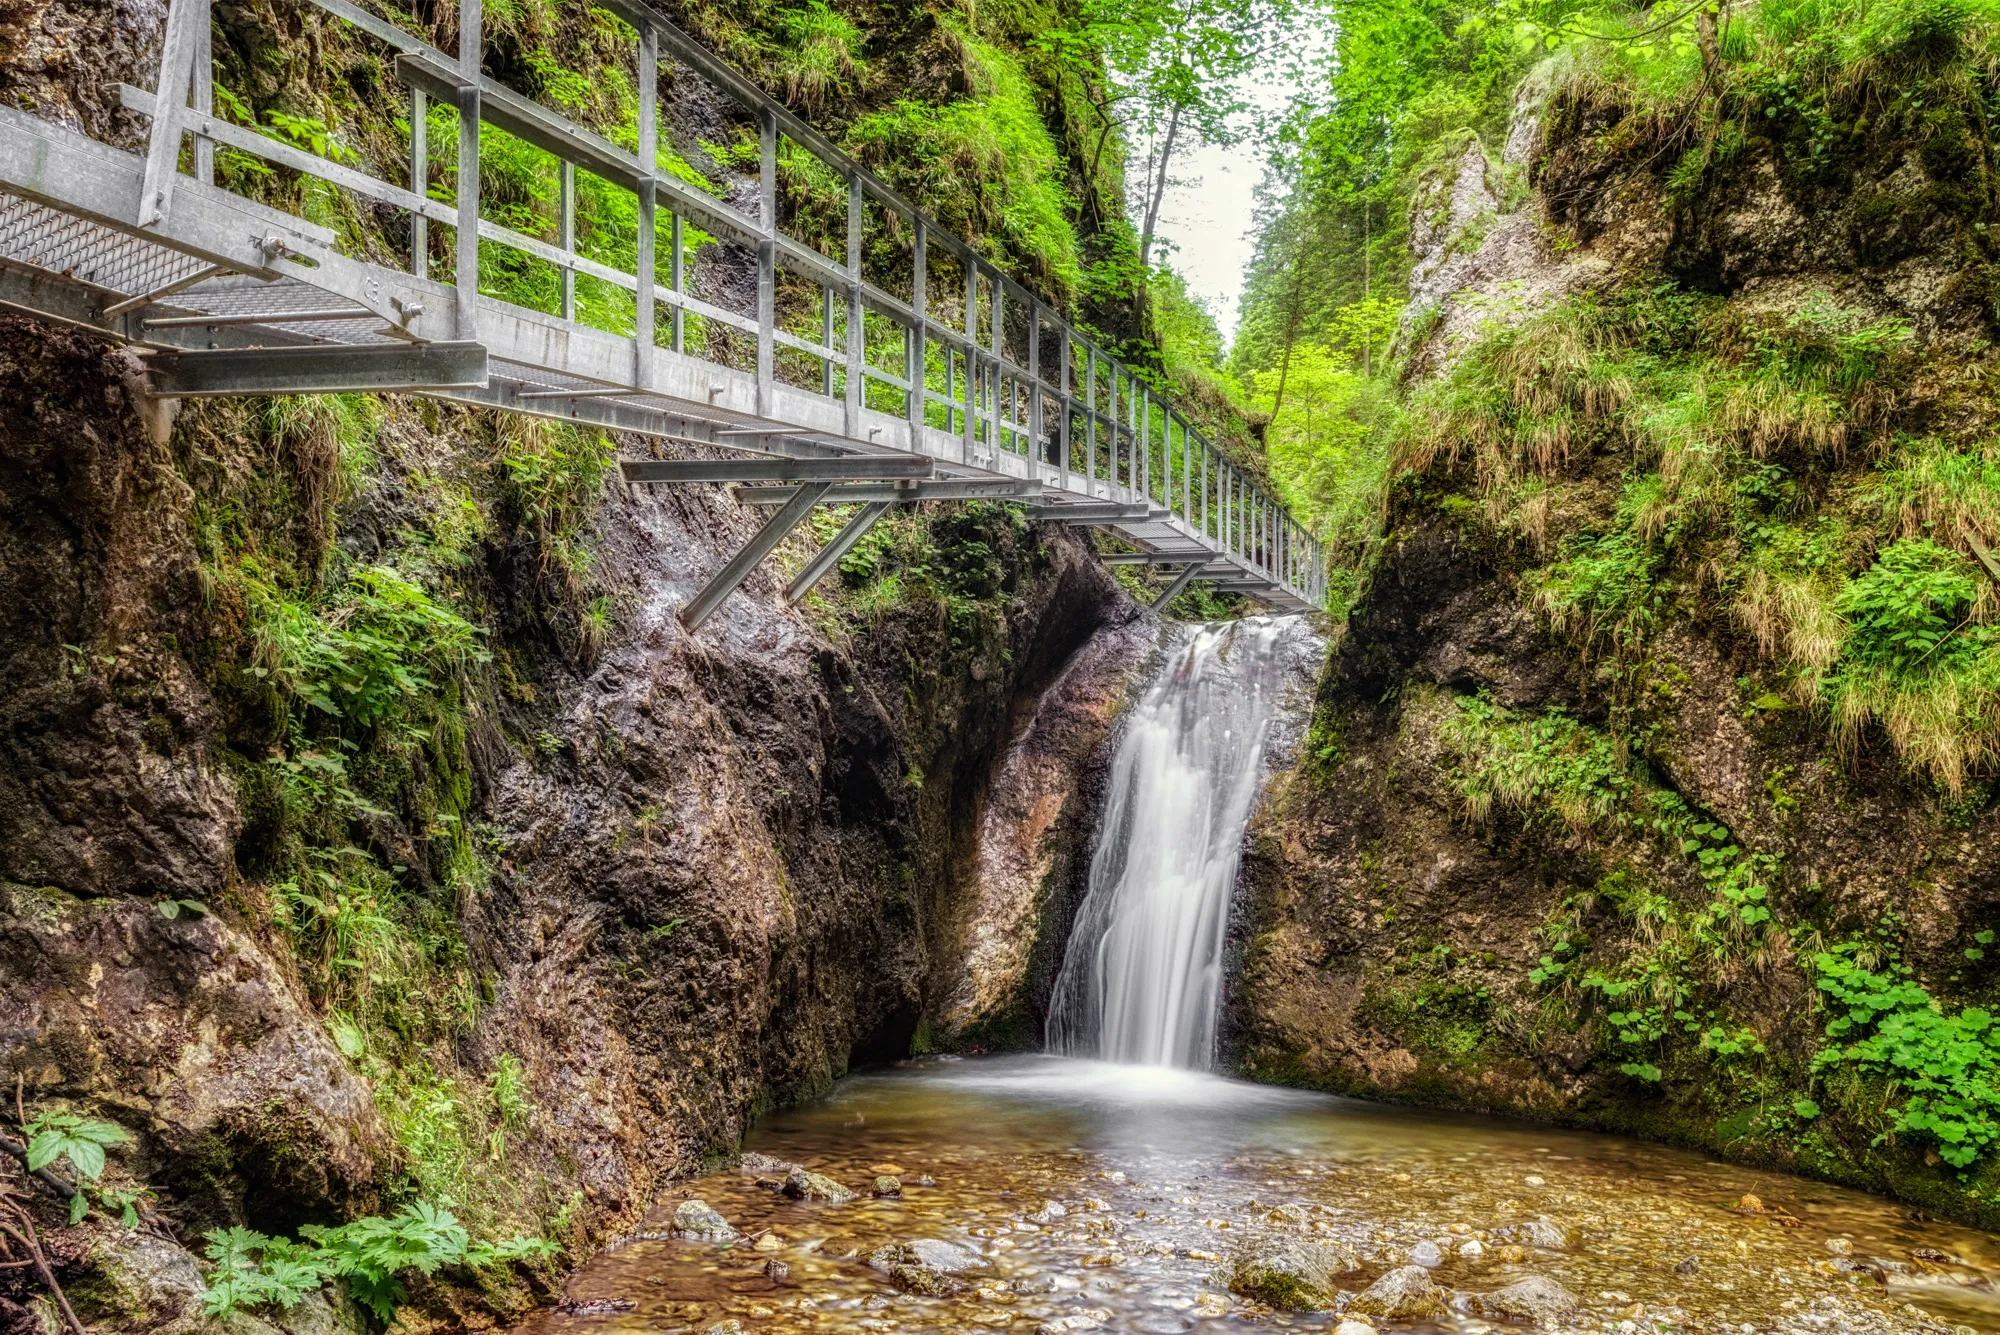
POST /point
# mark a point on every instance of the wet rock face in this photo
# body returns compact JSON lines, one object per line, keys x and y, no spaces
{"x":106,"y":786}
{"x":1032,"y":861}
{"x":187,"y":1028}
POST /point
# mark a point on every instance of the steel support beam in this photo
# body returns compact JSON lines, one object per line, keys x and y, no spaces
{"x":829,"y":556}
{"x":950,"y":489}
{"x":1105,"y":513}
{"x":775,"y":529}
{"x":1181,"y":581}
{"x":1152,"y":558}
{"x":851,"y":468}
{"x":320,"y":368}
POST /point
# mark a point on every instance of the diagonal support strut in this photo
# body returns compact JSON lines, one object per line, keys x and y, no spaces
{"x":829,"y":555}
{"x":1181,"y":581}
{"x":793,"y":512}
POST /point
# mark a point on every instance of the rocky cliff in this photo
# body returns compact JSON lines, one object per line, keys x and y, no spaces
{"x":1651,"y":783}
{"x":413,"y":874}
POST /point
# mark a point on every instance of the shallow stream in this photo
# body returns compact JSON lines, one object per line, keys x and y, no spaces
{"x":1158,"y":1178}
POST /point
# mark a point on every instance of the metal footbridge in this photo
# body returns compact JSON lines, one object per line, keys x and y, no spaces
{"x":817,"y":380}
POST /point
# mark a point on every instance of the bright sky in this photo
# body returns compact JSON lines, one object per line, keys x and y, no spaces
{"x":1208,"y":209}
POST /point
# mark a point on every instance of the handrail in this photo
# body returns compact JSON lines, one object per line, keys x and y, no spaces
{"x":1066,"y":404}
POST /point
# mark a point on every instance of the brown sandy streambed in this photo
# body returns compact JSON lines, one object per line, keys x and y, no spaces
{"x":1073,"y":1195}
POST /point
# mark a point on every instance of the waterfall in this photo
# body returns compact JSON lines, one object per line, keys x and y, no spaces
{"x":1141,"y":980}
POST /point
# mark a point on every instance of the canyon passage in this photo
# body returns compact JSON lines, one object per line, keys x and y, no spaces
{"x":1056,"y":665}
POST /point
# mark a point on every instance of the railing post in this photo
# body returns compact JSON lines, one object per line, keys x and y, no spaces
{"x":971,"y":352}
{"x":186,"y":20}
{"x":1090,"y":420}
{"x":857,"y":346}
{"x":203,"y":78}
{"x":767,"y":261}
{"x":677,"y":275}
{"x":1146,"y":446}
{"x":918,"y":368}
{"x":1111,"y":412}
{"x":1038,"y":447}
{"x":568,"y":221}
{"x":1187,"y":474}
{"x":1065,"y":399}
{"x":649,"y":166}
{"x":996,"y":381}
{"x":420,"y":180}
{"x":1204,"y":490}
{"x":465,"y":245}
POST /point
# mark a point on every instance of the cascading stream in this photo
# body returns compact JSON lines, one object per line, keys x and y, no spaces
{"x":1141,"y":980}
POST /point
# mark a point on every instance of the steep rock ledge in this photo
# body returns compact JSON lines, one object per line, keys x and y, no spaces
{"x":715,"y":870}
{"x":1421,"y":932}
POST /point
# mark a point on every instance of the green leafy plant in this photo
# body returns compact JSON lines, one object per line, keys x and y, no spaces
{"x":56,"y":1138}
{"x":1945,"y":1063}
{"x":370,"y":1255}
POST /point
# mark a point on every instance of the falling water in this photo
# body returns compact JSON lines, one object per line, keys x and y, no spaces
{"x":1142,"y":979}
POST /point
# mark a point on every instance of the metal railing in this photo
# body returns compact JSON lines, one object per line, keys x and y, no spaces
{"x":979,"y":372}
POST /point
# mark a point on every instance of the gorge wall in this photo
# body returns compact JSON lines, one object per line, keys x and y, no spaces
{"x":1624,"y":806}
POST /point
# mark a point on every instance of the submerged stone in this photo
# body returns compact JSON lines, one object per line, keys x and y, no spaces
{"x":699,"y":1219}
{"x":1288,"y":1273}
{"x":924,"y":1267}
{"x":1402,"y":1294}
{"x":802,"y":1184}
{"x":1537,"y":1300}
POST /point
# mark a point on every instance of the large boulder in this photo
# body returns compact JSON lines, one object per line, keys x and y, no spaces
{"x":188,"y":1034}
{"x":1534,"y":1300}
{"x":1403,"y":1294}
{"x":1292,"y":1274}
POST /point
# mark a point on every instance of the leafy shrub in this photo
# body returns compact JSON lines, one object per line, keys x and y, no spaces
{"x":58,"y":1137}
{"x":381,"y":647}
{"x":1906,"y":607}
{"x":371,"y":1255}
{"x":1948,"y":1062}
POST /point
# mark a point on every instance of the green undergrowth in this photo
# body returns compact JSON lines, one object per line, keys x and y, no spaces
{"x":349,"y":666}
{"x":958,"y":563}
{"x":1649,"y":954}
{"x":1658,"y":455}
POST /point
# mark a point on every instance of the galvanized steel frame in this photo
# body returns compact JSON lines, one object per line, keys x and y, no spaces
{"x":1105,"y":446}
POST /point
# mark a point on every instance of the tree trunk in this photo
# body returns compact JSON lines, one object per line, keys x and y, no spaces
{"x":1707,"y":35}
{"x":1291,"y":333}
{"x":1159,"y":187}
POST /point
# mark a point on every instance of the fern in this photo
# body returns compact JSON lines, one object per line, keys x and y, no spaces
{"x":370,"y":1255}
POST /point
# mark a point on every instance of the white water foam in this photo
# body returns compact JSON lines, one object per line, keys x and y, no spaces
{"x":1141,"y":981}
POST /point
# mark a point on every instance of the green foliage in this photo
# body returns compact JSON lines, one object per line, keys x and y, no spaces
{"x":817,"y":55}
{"x":374,"y":649}
{"x":1946,"y":1063}
{"x":1906,"y":607}
{"x":986,"y":164}
{"x":956,"y":559}
{"x":58,"y":1138}
{"x":1550,"y":762}
{"x":371,"y":1255}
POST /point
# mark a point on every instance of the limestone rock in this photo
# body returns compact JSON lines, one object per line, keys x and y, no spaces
{"x":1403,"y":1294}
{"x":1290,"y":1273}
{"x":1536,"y":1300}
{"x":699,"y":1219}
{"x":924,"y":1267}
{"x":802,"y":1184}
